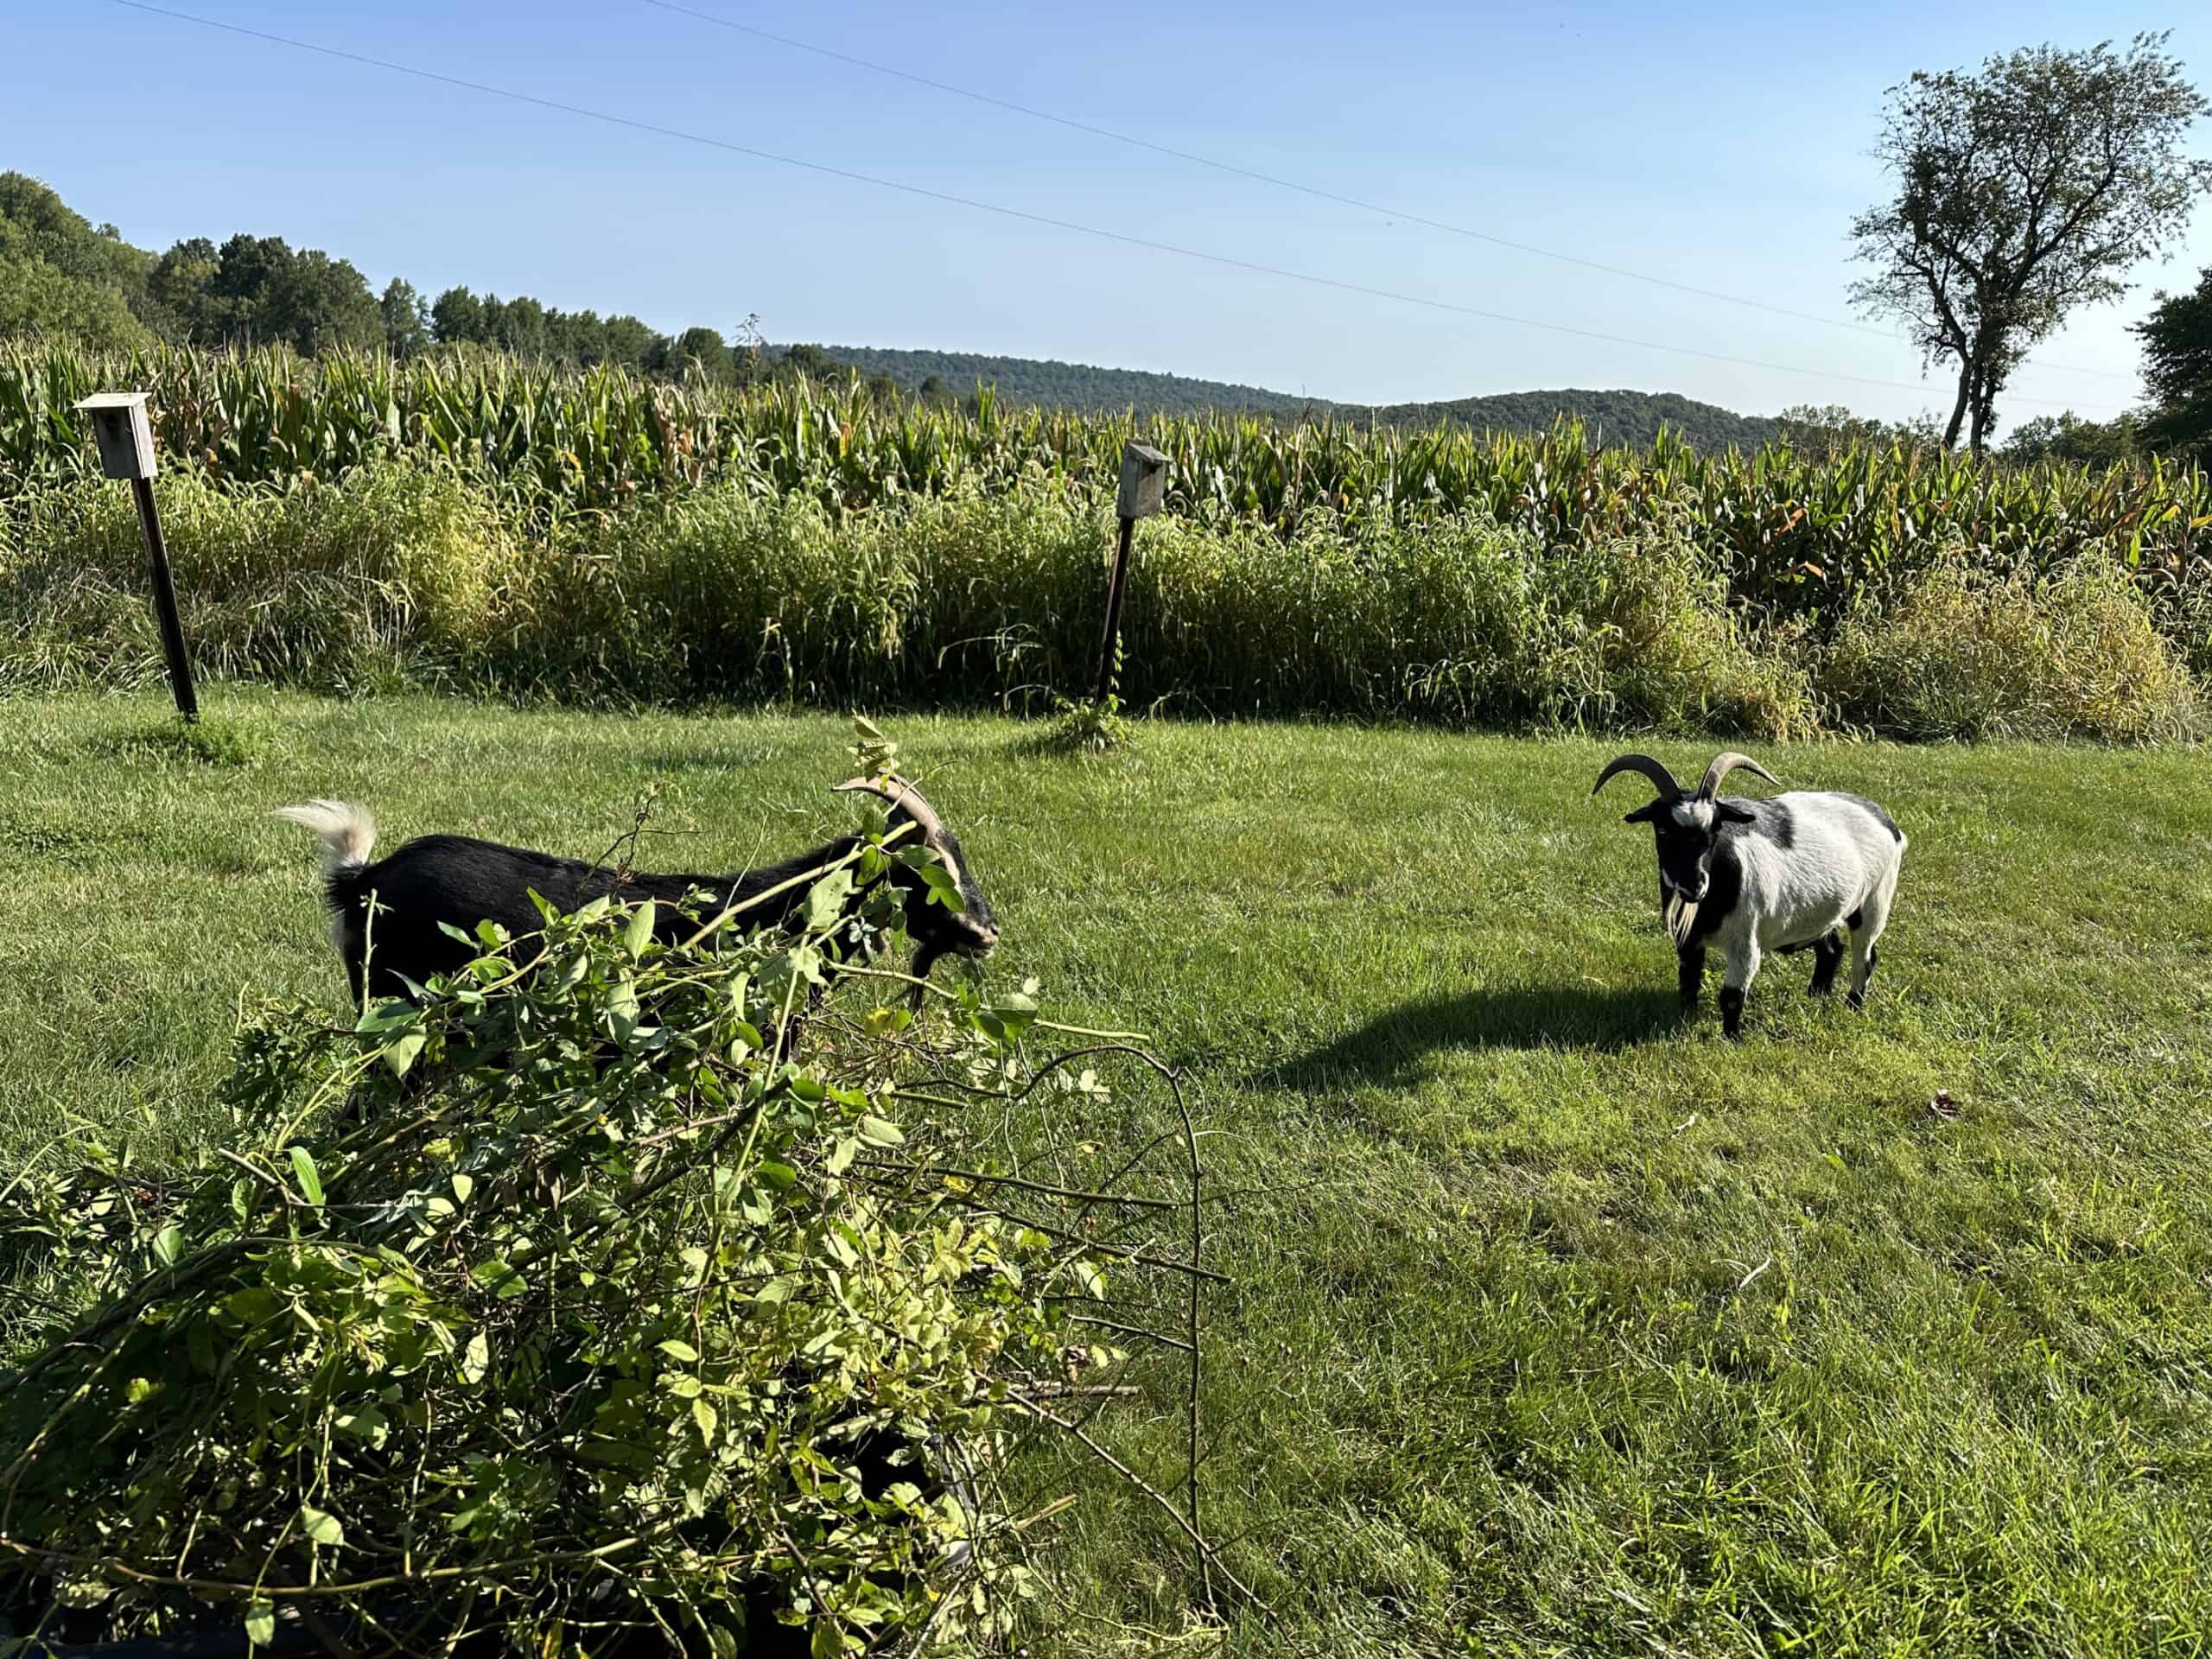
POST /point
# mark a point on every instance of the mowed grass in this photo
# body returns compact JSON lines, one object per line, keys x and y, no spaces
{"x":1558,"y":1325}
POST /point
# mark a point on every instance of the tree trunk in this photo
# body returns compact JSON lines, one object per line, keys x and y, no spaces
{"x":1983,"y":406}
{"x":1977,"y":437}
{"x":1959,"y":408}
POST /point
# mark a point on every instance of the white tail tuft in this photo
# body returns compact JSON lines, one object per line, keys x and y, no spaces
{"x":347,"y":831}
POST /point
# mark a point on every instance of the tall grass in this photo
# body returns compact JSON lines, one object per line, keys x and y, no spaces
{"x":472,"y":519}
{"x":1798,"y":532}
{"x":407,"y":573}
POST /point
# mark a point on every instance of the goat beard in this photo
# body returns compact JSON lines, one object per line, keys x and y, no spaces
{"x":1682,"y":917}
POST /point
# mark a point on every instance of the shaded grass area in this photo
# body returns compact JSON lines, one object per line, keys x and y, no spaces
{"x":1559,"y":1325}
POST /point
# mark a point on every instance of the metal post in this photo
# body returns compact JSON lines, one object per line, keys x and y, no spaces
{"x":1114,"y":609}
{"x":157,"y":561}
{"x":1144,"y":486}
{"x":126,"y":445}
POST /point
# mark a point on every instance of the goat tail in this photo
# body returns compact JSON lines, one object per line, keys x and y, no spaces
{"x":347,"y":832}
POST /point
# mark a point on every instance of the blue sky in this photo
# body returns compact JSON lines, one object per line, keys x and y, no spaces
{"x":1719,"y":146}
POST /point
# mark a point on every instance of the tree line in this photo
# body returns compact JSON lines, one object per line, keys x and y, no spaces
{"x":61,"y":275}
{"x":2023,"y":191}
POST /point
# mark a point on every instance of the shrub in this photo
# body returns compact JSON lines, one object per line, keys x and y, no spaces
{"x":395,"y":574}
{"x":1962,"y":652}
{"x":412,"y":572}
{"x":639,"y":1300}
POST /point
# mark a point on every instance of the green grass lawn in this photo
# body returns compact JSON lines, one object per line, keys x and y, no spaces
{"x":1558,"y":1325}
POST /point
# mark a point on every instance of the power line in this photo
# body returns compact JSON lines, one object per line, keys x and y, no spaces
{"x":1315,"y":191}
{"x":927,"y":194}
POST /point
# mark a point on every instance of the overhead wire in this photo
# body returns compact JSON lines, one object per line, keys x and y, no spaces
{"x":976,"y":204}
{"x":1317,"y":192}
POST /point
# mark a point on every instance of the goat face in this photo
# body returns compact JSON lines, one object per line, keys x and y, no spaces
{"x":1687,"y":830}
{"x":937,"y":929}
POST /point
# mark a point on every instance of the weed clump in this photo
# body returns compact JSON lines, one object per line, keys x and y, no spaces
{"x":641,"y":1302}
{"x":1966,"y":651}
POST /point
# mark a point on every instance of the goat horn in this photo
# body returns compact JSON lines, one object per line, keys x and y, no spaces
{"x":1658,"y":774}
{"x":903,"y":795}
{"x":1722,"y":766}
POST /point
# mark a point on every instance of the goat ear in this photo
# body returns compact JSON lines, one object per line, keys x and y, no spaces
{"x":1647,"y":813}
{"x":1731,"y":813}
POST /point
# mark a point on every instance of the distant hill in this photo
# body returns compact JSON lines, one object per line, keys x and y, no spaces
{"x":1047,"y":383}
{"x":1627,"y":417}
{"x":1615,"y":417}
{"x":61,"y":276}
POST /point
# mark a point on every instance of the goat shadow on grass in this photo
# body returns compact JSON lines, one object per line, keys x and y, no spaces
{"x":1392,"y":1048}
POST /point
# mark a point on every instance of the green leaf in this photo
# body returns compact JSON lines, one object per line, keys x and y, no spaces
{"x":475,"y":1359}
{"x":462,"y":1186}
{"x":400,"y":1054}
{"x":167,"y":1244}
{"x":496,"y":1274}
{"x":703,"y":1415}
{"x":676,"y":1348}
{"x":388,"y":1016}
{"x":825,"y":900}
{"x":622,"y":1007}
{"x":261,"y":1622}
{"x":881,"y":1131}
{"x":943,"y":890}
{"x":253,"y":1304}
{"x":304,"y":1171}
{"x":365,"y":1424}
{"x":321,"y":1526}
{"x":783,"y":976}
{"x":640,"y":933}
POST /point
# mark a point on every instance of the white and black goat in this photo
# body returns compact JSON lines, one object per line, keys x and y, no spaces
{"x":1784,"y":874}
{"x":460,"y":882}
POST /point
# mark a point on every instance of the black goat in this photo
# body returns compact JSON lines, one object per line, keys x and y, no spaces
{"x":460,"y":882}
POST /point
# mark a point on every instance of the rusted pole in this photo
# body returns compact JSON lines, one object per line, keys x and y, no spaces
{"x":157,"y":562}
{"x":1143,"y":491}
{"x":1106,"y":646}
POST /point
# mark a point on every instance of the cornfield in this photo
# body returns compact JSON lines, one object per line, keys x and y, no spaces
{"x":1332,"y":540}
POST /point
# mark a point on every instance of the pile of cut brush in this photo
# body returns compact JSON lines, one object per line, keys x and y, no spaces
{"x":631,"y":1300}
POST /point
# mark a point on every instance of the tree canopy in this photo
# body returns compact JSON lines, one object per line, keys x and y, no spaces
{"x":59,"y":276}
{"x":2024,"y":192}
{"x":2177,"y":367}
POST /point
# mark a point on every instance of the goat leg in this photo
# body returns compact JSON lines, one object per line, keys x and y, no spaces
{"x":925,"y":957}
{"x":1690,"y":974}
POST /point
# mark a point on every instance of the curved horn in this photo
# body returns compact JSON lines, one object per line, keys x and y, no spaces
{"x":1660,"y":777}
{"x":1722,"y":766}
{"x":903,"y":795}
